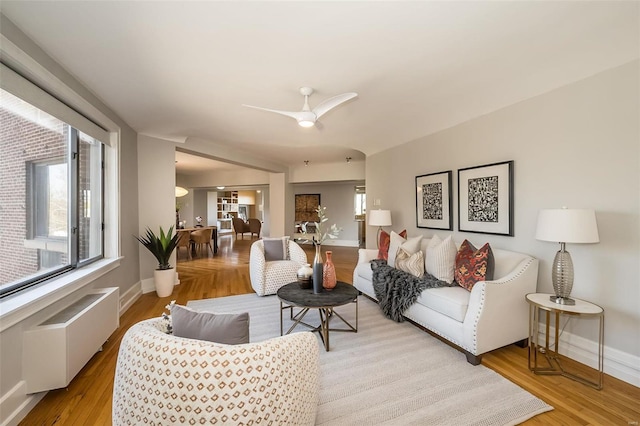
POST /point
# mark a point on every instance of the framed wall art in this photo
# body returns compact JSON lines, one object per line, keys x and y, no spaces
{"x":485,"y":199}
{"x":306,"y":206}
{"x":434,"y":202}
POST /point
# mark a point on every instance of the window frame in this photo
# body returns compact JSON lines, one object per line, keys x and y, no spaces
{"x":32,"y":201}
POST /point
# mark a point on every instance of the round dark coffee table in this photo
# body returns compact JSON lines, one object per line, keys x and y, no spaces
{"x":291,"y":295}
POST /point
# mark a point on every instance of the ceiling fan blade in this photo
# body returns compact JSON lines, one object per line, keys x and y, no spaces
{"x":295,"y":115}
{"x":331,"y":103}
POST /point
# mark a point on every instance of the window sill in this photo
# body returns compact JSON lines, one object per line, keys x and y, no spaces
{"x":20,"y":306}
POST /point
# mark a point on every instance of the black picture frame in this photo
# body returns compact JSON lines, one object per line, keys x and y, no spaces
{"x":485,"y":199}
{"x":434,"y":201}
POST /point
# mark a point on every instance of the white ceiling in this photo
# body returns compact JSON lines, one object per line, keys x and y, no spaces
{"x":183,"y":69}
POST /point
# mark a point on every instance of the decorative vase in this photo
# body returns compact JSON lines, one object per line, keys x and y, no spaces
{"x":304,"y":276}
{"x":164,"y":280}
{"x":329,"y":280}
{"x":317,"y":271}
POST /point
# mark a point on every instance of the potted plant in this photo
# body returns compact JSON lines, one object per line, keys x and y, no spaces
{"x":161,"y":246}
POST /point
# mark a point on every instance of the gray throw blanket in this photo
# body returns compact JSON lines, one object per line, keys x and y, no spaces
{"x":397,"y":290}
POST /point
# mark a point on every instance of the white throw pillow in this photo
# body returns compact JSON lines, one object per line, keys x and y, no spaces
{"x":440,"y":259}
{"x":410,"y":245}
{"x":413,"y":264}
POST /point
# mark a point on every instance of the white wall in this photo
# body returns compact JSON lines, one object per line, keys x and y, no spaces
{"x":14,"y":402}
{"x":339,"y":199}
{"x":156,"y":195}
{"x":247,"y":177}
{"x":577,"y":146}
{"x":199,"y":206}
{"x":186,"y":203}
{"x":279,"y":193}
{"x":328,"y":172}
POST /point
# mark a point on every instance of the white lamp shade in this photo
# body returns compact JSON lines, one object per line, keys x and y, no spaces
{"x":567,"y":226}
{"x":380,"y":218}
{"x":181,"y":192}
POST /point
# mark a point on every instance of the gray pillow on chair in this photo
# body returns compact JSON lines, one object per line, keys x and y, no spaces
{"x":229,"y":329}
{"x":276,"y":248}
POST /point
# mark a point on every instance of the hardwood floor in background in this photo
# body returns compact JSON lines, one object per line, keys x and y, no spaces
{"x":87,"y":399}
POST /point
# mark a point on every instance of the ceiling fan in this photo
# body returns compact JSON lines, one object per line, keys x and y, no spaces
{"x":307,"y":117}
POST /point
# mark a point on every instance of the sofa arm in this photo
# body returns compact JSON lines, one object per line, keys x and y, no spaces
{"x":498,"y":314}
{"x":366,"y":255}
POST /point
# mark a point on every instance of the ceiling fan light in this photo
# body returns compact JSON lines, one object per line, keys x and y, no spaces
{"x":306,"y":123}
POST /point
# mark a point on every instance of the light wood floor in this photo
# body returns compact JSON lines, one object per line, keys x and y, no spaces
{"x":87,"y":400}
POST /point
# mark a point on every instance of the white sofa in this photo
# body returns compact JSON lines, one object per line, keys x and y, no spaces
{"x":494,"y":314}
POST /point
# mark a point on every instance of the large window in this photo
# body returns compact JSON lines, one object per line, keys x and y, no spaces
{"x":51,"y":186}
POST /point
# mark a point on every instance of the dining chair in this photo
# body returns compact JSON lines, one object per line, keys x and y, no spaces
{"x":184,"y":240}
{"x":202,"y":237}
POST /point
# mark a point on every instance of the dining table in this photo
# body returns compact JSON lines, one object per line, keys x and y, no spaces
{"x":214,"y":234}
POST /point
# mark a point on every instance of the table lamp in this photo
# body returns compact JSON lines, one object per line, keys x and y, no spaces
{"x":565,"y":226}
{"x":379,"y":218}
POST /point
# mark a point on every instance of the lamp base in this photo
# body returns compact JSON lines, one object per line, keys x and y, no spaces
{"x":562,"y":300}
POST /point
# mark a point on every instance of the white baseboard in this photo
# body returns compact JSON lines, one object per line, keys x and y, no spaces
{"x":621,"y":365}
{"x":147,"y":285}
{"x":130,"y":296}
{"x":17,"y":405}
{"x":341,"y":243}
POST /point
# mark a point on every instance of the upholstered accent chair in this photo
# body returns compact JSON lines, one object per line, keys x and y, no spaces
{"x":240,"y":227}
{"x":254,"y":226}
{"x":268,"y":276}
{"x":163,"y":379}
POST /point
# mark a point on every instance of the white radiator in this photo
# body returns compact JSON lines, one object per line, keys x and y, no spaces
{"x":57,"y":349}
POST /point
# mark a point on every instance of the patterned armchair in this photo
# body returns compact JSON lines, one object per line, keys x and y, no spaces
{"x":166,"y":380}
{"x":268,"y":277}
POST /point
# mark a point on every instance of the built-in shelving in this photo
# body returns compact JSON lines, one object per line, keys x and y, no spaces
{"x":227,"y":208}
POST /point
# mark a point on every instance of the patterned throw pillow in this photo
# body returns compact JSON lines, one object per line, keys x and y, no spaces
{"x":473,"y":265}
{"x":410,"y":245}
{"x":228,"y":329}
{"x":276,"y":248}
{"x":383,"y":243}
{"x":411,"y":263}
{"x":440,"y":259}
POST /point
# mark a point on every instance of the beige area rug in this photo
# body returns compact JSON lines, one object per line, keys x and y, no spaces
{"x":392,"y":373}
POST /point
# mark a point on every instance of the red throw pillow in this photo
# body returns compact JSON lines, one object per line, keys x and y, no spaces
{"x":383,"y":243}
{"x":473,"y":265}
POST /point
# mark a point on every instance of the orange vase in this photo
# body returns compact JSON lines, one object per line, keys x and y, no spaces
{"x":329,"y":280}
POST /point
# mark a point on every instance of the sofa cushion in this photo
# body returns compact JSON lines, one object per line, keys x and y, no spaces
{"x":473,"y":265}
{"x":276,"y":248}
{"x":410,"y":263}
{"x":440,"y":258}
{"x":410,"y":245}
{"x":384,"y":242}
{"x":229,"y":329}
{"x":450,"y":301}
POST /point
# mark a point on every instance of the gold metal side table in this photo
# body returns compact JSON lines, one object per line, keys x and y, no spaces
{"x":540,"y":302}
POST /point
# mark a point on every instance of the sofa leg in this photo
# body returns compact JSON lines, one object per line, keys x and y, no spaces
{"x":473,"y":359}
{"x":522,"y":343}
